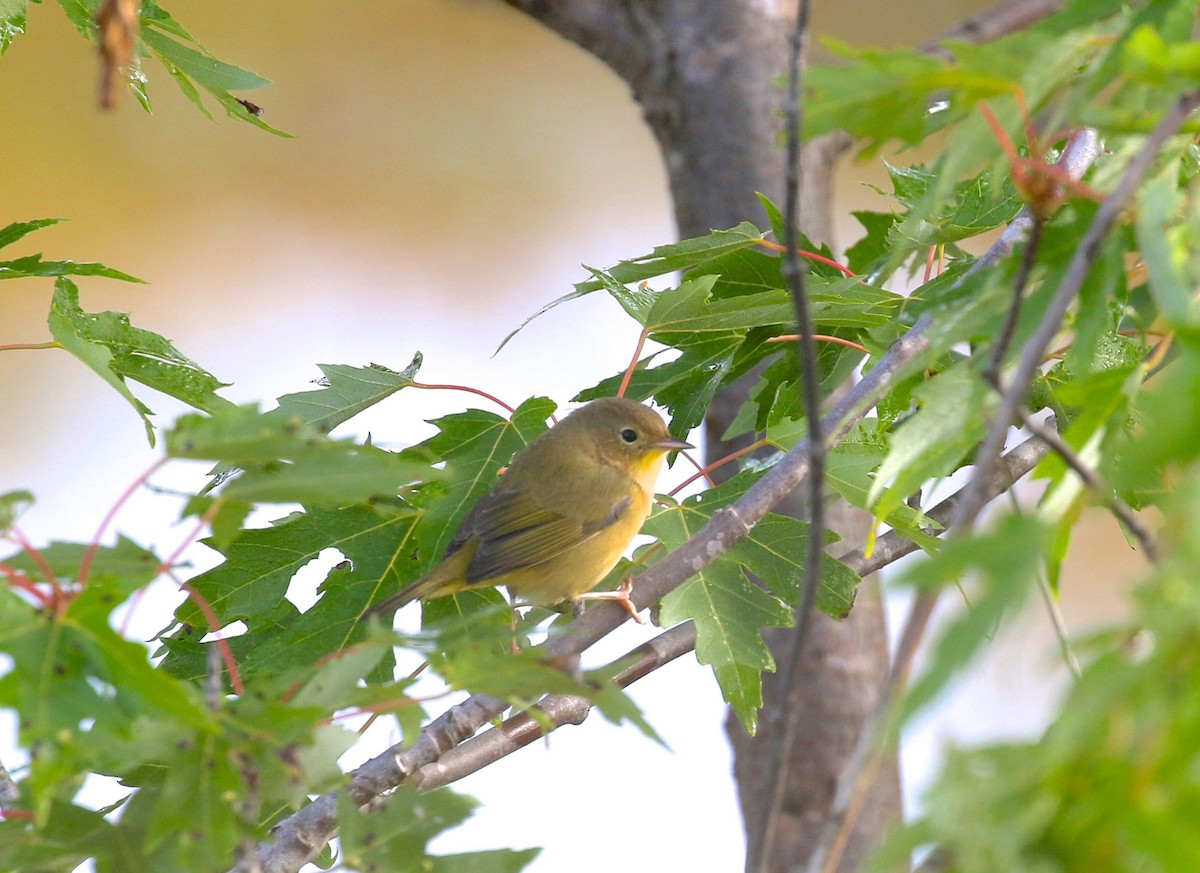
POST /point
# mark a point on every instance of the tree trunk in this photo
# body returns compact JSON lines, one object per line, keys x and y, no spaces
{"x":707,"y":75}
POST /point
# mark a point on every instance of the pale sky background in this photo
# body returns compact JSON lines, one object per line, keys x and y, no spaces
{"x":454,"y":164}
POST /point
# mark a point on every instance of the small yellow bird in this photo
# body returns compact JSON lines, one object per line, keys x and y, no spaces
{"x":561,"y":516}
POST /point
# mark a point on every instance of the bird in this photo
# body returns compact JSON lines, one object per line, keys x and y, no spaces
{"x":561,"y":515}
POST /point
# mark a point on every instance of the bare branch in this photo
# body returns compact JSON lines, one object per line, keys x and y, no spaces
{"x":761,"y":844}
{"x":1000,"y":20}
{"x":991,"y":371}
{"x":300,"y":837}
{"x":556,"y":710}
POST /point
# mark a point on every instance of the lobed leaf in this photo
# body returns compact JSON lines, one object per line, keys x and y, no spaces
{"x":346,"y":391}
{"x":729,"y":607}
{"x":117,"y":351}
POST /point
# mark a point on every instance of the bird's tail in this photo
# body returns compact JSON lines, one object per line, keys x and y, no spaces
{"x":423,"y":587}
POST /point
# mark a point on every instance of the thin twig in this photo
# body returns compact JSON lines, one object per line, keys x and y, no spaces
{"x":1008,"y":332}
{"x":14,"y":347}
{"x":705,"y":471}
{"x":993,"y":23}
{"x":1060,"y":626}
{"x":467,"y":388}
{"x":637,"y":353}
{"x":1093,"y":483}
{"x":300,"y":837}
{"x":85,"y":565}
{"x":785,"y":715}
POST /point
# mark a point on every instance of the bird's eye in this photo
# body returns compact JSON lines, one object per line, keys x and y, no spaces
{"x":629,"y":435}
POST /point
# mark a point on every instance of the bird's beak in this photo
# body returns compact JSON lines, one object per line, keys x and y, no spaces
{"x":670,"y":445}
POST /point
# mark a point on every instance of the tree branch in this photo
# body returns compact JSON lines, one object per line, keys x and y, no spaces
{"x":301,"y":836}
{"x":1000,"y":20}
{"x":556,"y":710}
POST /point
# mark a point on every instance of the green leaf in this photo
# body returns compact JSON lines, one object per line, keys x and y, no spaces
{"x":881,"y":97}
{"x":13,"y":232}
{"x":935,"y":440}
{"x":1149,"y":58}
{"x":975,"y":206}
{"x":12,"y":504}
{"x":252,"y":583}
{"x":397,"y":836}
{"x":82,"y":14}
{"x":473,"y":652}
{"x":690,"y":307}
{"x":1008,"y":557}
{"x":116,"y":350}
{"x":12,"y":25}
{"x":722,"y":338}
{"x":191,"y":65}
{"x":346,"y":391}
{"x":473,"y":446}
{"x":213,"y":75}
{"x":65,"y":837}
{"x":32,"y":267}
{"x":287,"y":459}
{"x":683,"y":255}
{"x":1167,"y":245}
{"x":875,"y":247}
{"x":341,"y":477}
{"x":729,"y":608}
{"x":126,"y":564}
{"x":850,"y":470}
{"x":1172,"y":414}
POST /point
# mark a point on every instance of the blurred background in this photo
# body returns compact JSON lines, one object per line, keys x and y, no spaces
{"x":453,"y":165}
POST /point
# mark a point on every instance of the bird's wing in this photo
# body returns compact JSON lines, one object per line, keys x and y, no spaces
{"x":514,"y":533}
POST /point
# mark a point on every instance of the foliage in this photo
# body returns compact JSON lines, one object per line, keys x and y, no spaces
{"x":159,"y":35}
{"x":216,"y":741}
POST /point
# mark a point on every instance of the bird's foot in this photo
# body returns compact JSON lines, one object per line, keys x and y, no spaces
{"x":619,"y":595}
